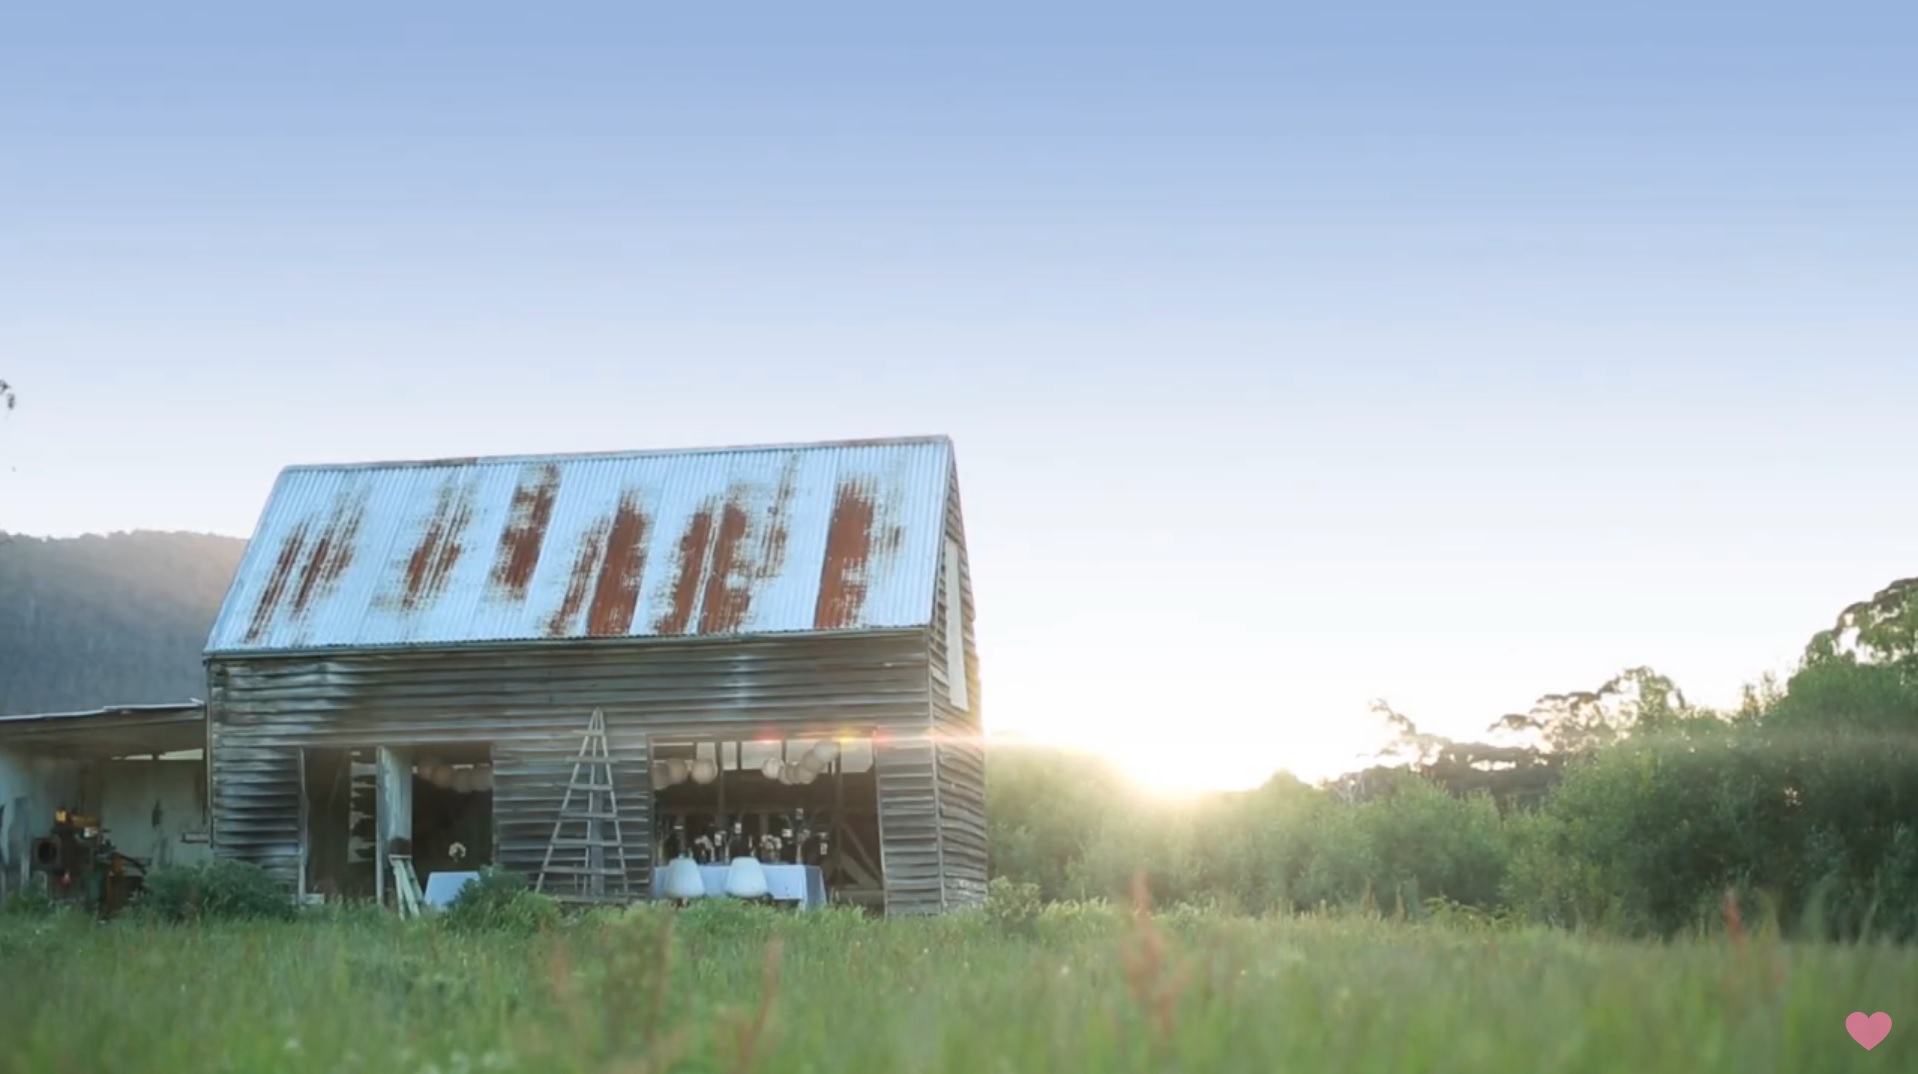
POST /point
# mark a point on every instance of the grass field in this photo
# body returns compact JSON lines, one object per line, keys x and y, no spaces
{"x":1073,"y":990}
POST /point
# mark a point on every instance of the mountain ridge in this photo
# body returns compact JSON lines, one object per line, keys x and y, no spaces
{"x":108,"y":619}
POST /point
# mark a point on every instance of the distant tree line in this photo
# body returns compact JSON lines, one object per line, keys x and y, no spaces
{"x":1625,"y":808}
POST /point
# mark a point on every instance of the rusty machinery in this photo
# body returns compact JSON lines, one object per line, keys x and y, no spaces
{"x":82,"y":866}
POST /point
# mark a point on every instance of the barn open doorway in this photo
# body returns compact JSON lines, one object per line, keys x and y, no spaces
{"x":811,"y":801}
{"x":337,"y":826}
{"x":439,"y":803}
{"x":452,"y":808}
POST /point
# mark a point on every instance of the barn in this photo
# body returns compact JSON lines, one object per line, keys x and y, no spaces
{"x":412,"y":655}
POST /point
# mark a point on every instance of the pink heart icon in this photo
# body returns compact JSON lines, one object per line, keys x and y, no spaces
{"x":1868,"y":1031}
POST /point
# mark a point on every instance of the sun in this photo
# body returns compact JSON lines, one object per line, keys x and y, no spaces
{"x":1176,"y":733}
{"x":1186,"y":766}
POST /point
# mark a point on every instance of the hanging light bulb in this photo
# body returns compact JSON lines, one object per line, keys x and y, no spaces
{"x":827,"y":752}
{"x":772,"y":768}
{"x":677,"y":770}
{"x":705,"y":771}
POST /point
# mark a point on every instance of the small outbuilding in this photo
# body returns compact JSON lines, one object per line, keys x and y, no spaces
{"x":412,"y":654}
{"x":139,"y":770}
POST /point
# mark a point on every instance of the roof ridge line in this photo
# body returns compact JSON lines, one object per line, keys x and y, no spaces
{"x":562,"y":456}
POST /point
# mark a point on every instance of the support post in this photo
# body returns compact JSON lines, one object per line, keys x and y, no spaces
{"x":393,"y":818}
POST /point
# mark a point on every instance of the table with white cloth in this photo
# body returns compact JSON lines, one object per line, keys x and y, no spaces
{"x":802,"y":884}
{"x":442,"y":888}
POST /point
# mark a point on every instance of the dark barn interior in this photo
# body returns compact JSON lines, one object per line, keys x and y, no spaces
{"x":451,"y":815}
{"x":820,"y":812}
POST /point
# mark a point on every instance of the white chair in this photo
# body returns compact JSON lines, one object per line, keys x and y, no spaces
{"x":746,"y":879}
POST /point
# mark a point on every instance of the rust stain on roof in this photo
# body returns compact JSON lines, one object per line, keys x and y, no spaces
{"x":720,"y":561}
{"x":525,"y":533}
{"x":440,"y":548}
{"x":578,"y":581}
{"x":843,"y":579}
{"x":773,"y":560}
{"x":617,"y":592}
{"x":726,"y":599}
{"x":735,"y":575}
{"x":608,"y":570}
{"x":283,"y":567}
{"x":693,"y":544}
{"x":332,"y":554}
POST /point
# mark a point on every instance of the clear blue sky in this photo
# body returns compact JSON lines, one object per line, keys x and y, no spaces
{"x":1296,"y":356}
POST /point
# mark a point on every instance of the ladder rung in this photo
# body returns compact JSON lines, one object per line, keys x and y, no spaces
{"x":573,"y":870}
{"x":578,"y":844}
{"x":585,"y":814}
{"x":601,"y":787}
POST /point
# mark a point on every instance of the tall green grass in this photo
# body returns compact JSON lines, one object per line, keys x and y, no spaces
{"x":1054,"y":988}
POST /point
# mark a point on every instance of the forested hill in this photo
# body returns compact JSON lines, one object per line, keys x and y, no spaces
{"x":121,"y":619}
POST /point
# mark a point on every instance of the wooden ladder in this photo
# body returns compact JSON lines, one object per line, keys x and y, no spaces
{"x":406,"y":886}
{"x":595,"y":812}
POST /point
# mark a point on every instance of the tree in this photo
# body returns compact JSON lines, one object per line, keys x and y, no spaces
{"x":1637,"y":699}
{"x":1882,"y":630}
{"x":1513,"y":775}
{"x":6,"y":395}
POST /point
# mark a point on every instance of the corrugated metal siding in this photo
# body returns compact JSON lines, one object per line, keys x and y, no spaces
{"x":909,"y":849}
{"x":738,"y":542}
{"x":254,"y":796}
{"x":962,"y":808}
{"x":960,"y":749}
{"x":532,"y":704}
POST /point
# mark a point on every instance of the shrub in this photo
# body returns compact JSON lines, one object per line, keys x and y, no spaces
{"x":1426,"y":843}
{"x":1077,"y":921}
{"x":29,"y":904}
{"x":213,"y":891}
{"x":722,"y":919}
{"x":351,"y":913}
{"x":1013,"y":906}
{"x":499,"y":901}
{"x":1447,"y":913}
{"x":831,"y":926}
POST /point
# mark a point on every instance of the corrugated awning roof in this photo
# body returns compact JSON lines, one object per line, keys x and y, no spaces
{"x":122,"y":731}
{"x":811,"y":537}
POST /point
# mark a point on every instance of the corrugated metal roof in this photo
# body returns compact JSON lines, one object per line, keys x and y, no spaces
{"x":807,"y":537}
{"x":108,"y":732}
